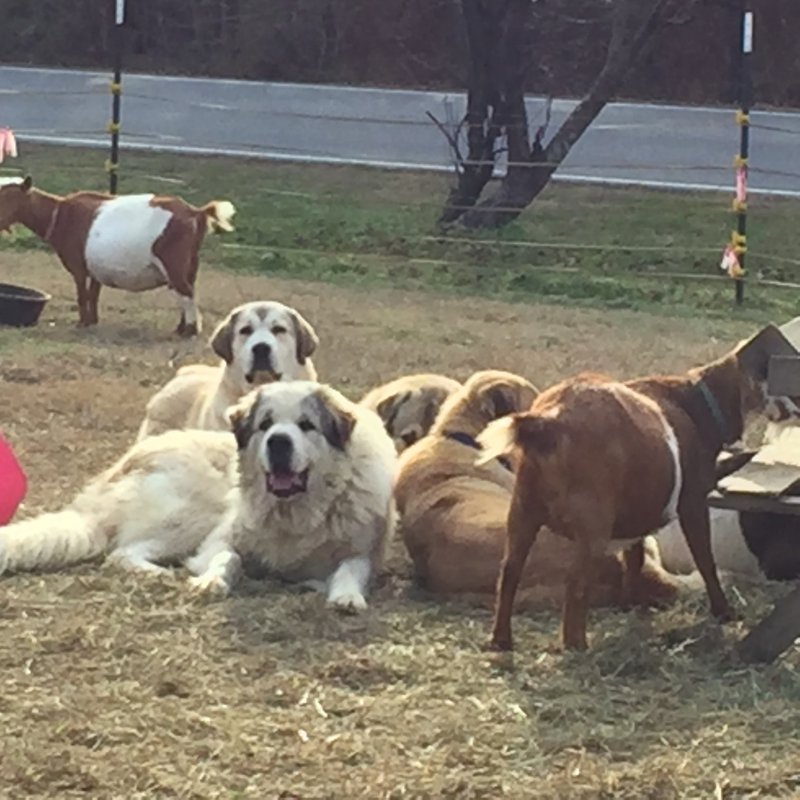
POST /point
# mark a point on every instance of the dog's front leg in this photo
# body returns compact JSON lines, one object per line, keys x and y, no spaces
{"x":347,"y":587}
{"x":216,"y":565}
{"x":224,"y":569}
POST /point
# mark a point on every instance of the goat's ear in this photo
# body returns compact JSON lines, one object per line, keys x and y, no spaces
{"x":222,"y":339}
{"x":241,"y":417}
{"x":306,"y":339}
{"x":27,"y":183}
{"x":336,"y":423}
{"x":754,"y":354}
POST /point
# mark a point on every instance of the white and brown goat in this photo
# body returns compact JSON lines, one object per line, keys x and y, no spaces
{"x":134,"y":242}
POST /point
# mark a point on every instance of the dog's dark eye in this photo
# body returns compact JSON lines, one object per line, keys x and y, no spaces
{"x":306,"y":425}
{"x":246,"y":330}
{"x":266,"y":424}
{"x":278,"y":330}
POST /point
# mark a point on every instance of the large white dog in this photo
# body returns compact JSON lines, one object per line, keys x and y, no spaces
{"x":314,"y":500}
{"x":308,"y":498}
{"x":258,"y":343}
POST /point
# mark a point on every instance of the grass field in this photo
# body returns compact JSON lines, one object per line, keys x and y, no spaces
{"x":359,"y":226}
{"x":122,"y":686}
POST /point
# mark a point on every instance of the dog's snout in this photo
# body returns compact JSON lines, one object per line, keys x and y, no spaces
{"x":279,"y":450}
{"x":262,"y":356}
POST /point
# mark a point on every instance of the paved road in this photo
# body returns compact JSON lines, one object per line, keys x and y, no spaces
{"x":629,"y":143}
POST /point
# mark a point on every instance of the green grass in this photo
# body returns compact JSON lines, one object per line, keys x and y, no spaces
{"x":360,"y":226}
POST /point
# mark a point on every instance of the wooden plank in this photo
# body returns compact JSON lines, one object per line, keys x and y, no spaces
{"x":767,"y":479}
{"x":729,"y":461}
{"x":755,"y":502}
{"x":775,"y":634}
{"x":791,"y":330}
{"x":773,"y":470}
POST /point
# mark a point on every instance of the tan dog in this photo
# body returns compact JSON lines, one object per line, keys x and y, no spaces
{"x":454,"y":512}
{"x":408,"y":406}
{"x":258,"y":343}
{"x":604,"y":463}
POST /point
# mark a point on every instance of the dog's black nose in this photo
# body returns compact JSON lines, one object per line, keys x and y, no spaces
{"x":262,"y":356}
{"x":279,"y":450}
{"x":409,"y":438}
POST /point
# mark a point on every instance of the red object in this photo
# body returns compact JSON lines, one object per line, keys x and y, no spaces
{"x":13,"y":483}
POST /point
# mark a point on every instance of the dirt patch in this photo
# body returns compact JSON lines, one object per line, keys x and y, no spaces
{"x":118,"y":685}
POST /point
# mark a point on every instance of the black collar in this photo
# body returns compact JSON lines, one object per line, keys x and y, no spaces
{"x":469,"y":441}
{"x":714,"y":408}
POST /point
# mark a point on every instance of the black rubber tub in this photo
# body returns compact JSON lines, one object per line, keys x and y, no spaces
{"x":19,"y":306}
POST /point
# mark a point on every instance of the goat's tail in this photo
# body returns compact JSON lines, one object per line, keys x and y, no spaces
{"x":51,"y":540}
{"x":539,"y":433}
{"x":219,"y":215}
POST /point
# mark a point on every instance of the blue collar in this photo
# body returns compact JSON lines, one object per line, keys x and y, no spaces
{"x":714,"y":408}
{"x":469,"y":441}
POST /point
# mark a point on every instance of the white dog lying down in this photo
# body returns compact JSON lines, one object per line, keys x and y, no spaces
{"x":309,"y":497}
{"x":258,"y":343}
{"x":314,"y":500}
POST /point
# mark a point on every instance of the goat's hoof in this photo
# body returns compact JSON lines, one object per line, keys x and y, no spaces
{"x":499,"y":645}
{"x":726,"y":614}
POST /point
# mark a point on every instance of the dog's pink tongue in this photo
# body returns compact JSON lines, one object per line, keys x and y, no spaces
{"x":282,"y":482}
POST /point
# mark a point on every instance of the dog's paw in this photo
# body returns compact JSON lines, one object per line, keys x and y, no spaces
{"x":209,"y":585}
{"x":348,"y":602}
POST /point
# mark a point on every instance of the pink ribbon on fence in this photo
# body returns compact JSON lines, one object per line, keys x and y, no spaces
{"x":741,"y":185}
{"x":730,"y":262}
{"x":8,"y":144}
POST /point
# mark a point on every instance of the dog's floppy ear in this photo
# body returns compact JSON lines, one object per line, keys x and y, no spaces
{"x":241,"y":418}
{"x":508,"y":398}
{"x":305,"y":336}
{"x":388,"y":407}
{"x":336,"y":423}
{"x":754,"y":354}
{"x":222,"y":339}
{"x":433,"y":399}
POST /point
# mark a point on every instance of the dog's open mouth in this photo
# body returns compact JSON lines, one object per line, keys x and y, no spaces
{"x":287,"y":484}
{"x":258,"y":377}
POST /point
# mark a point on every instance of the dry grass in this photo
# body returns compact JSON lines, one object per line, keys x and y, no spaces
{"x":122,"y":686}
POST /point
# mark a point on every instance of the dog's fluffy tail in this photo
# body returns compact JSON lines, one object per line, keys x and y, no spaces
{"x":537,"y":432}
{"x":219,"y":215}
{"x":49,"y":540}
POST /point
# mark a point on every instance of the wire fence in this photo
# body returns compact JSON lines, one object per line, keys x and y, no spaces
{"x":159,"y":122}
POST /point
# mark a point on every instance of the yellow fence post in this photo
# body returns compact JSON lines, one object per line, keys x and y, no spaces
{"x":739,"y":239}
{"x":112,"y":165}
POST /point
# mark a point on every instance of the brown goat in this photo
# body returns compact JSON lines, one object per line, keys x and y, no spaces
{"x":132,"y":242}
{"x":605,"y":463}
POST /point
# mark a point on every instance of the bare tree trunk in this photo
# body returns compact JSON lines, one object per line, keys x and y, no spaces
{"x":494,"y":100}
{"x":531,"y":165}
